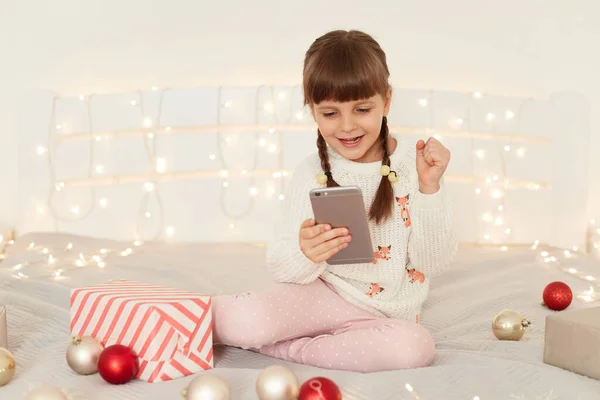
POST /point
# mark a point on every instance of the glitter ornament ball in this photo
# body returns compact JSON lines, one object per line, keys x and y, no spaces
{"x":118,"y":364}
{"x":319,"y":388}
{"x":8,"y":366}
{"x":509,"y":325}
{"x":46,"y":392}
{"x":83,"y":354}
{"x":207,"y":386}
{"x":557,"y":296}
{"x":277,"y":383}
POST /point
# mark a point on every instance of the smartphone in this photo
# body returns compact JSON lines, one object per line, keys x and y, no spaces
{"x":343,"y":206}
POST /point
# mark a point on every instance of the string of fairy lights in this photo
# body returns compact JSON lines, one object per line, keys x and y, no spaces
{"x":151,"y":129}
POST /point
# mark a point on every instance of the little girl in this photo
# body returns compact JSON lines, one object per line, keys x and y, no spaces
{"x":359,"y":317}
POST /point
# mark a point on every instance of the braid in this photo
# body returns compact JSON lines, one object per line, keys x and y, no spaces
{"x":324,"y":156}
{"x":383,"y":203}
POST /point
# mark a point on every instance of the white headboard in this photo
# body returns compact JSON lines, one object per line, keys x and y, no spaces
{"x":210,"y":164}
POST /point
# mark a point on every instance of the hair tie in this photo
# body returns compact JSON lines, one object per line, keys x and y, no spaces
{"x":386,"y":171}
{"x":322,"y":178}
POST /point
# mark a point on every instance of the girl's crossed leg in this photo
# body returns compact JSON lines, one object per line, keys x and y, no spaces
{"x":313,"y":325}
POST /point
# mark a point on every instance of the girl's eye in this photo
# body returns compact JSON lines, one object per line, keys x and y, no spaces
{"x":328,"y":114}
{"x":364,"y":110}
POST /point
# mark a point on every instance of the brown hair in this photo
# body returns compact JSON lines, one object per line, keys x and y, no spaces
{"x":347,"y":66}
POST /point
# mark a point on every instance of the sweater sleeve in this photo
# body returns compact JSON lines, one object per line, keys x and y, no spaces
{"x":285,"y":260}
{"x":432,"y":243}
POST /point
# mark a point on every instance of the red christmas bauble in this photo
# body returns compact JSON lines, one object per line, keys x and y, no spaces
{"x":557,"y":296}
{"x":319,"y":388}
{"x":118,"y":364}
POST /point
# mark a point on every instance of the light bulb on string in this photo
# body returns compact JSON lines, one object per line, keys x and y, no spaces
{"x":423,"y":102}
{"x":480,"y":154}
{"x":170,"y":231}
{"x":477,"y":95}
{"x":490,"y":117}
{"x":497,"y":193}
{"x":161,"y":165}
{"x":507,"y":148}
{"x":212,"y":157}
{"x":268,"y":107}
{"x":41,"y":150}
{"x":149,"y":186}
{"x":147,"y":122}
{"x":103,"y":202}
{"x":100,"y":168}
{"x":509,"y":114}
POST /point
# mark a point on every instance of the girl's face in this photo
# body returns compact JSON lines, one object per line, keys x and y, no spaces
{"x":352,"y":128}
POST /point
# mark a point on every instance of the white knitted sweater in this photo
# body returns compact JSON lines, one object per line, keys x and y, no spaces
{"x":410,"y":248}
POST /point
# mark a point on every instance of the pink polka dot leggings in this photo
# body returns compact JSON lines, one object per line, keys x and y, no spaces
{"x":311,"y":324}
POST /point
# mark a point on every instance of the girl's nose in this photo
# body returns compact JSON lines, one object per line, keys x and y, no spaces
{"x":348,"y":125}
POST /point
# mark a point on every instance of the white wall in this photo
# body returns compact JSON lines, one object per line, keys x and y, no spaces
{"x":73,"y":47}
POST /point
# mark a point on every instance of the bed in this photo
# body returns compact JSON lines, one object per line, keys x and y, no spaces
{"x":470,"y":361}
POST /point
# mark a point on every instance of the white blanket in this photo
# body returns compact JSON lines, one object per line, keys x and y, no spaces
{"x":470,"y":360}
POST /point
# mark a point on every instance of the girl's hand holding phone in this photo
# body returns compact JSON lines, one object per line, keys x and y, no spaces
{"x":320,"y":242}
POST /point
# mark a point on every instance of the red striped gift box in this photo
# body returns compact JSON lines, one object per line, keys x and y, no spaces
{"x":170,"y":330}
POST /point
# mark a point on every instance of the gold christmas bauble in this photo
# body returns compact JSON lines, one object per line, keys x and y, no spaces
{"x":207,"y":386}
{"x":8,"y":366}
{"x":277,"y":383}
{"x":509,"y":325}
{"x":46,"y":392}
{"x":83,"y":353}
